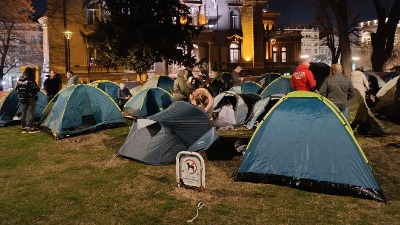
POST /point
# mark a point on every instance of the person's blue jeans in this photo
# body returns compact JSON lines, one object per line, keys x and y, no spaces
{"x":27,"y":114}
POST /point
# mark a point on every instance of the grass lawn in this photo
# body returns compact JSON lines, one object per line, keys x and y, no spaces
{"x":79,"y":180}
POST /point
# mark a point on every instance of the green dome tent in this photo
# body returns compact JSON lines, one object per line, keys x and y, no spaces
{"x":147,"y":102}
{"x":80,"y":109}
{"x":265,"y":79}
{"x":10,"y":107}
{"x":109,"y":87}
{"x":280,"y":85}
{"x":164,"y":82}
{"x":247,"y":87}
{"x":305,"y":142}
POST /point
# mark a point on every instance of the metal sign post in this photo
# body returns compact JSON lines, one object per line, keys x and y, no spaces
{"x":190,"y":170}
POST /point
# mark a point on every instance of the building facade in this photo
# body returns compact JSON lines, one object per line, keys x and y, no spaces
{"x":235,"y":32}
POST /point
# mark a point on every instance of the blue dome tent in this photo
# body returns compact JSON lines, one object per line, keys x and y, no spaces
{"x":147,"y":102}
{"x":80,"y":109}
{"x":10,"y":107}
{"x":313,"y":148}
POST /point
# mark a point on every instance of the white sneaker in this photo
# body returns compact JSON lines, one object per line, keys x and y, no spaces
{"x":33,"y":130}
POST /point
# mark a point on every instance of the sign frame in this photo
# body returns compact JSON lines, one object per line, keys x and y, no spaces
{"x":190,"y":172}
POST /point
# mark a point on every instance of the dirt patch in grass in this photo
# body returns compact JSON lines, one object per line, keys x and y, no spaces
{"x":82,"y":140}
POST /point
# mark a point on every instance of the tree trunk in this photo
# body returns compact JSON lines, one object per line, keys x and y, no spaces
{"x":378,"y":57}
{"x":340,"y":10}
{"x":165,"y":67}
{"x":382,"y":40}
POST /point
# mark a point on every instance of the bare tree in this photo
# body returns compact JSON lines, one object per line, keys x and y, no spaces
{"x":382,"y":40}
{"x":15,"y":16}
{"x":329,"y":31}
{"x":329,"y":28}
{"x":340,"y":10}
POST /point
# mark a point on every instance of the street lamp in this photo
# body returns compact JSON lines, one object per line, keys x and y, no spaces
{"x":68,"y":35}
{"x":273,"y":40}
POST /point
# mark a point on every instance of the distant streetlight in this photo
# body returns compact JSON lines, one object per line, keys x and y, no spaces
{"x":183,"y":20}
{"x":68,"y":35}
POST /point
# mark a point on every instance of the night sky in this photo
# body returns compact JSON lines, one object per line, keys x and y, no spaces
{"x":303,"y":11}
{"x":39,"y":6}
{"x":298,"y":11}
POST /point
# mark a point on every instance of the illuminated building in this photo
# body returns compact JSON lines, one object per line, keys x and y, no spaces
{"x":234,"y":32}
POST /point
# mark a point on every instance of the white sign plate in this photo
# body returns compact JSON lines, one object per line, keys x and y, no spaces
{"x":190,"y":170}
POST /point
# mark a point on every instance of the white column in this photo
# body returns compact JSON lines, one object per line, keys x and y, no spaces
{"x":43,"y":22}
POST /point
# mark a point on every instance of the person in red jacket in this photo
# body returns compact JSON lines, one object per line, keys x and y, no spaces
{"x":302,"y":77}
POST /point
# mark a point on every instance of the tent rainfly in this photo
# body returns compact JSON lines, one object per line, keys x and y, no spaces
{"x":313,"y":149}
{"x":160,"y":137}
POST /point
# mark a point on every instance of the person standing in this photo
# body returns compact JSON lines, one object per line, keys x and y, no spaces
{"x":52,"y":85}
{"x":338,"y":88}
{"x":303,"y":78}
{"x":72,"y":79}
{"x":181,"y":89}
{"x":359,"y":81}
{"x":235,"y":76}
{"x":27,"y":90}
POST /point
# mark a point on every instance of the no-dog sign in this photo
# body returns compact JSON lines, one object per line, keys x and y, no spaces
{"x":190,"y":170}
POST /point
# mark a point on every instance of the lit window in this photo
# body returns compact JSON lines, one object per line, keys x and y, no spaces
{"x":274,"y":54}
{"x":92,"y":11}
{"x":234,"y":17}
{"x":283,"y":54}
{"x":234,"y":53}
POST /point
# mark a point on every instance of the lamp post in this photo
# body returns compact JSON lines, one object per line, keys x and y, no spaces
{"x":272,"y":40}
{"x":68,"y":35}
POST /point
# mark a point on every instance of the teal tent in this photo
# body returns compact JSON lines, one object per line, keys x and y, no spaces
{"x":80,"y":109}
{"x":164,"y":82}
{"x":280,"y":85}
{"x":109,"y":87}
{"x":265,"y":79}
{"x":305,"y":142}
{"x":147,"y":102}
{"x":10,"y":110}
{"x":248,"y":87}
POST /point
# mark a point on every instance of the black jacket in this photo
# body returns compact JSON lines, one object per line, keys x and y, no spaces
{"x":27,"y":90}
